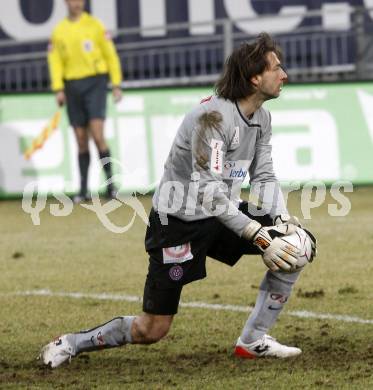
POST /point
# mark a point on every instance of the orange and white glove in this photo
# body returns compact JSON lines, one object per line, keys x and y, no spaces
{"x":286,"y":219}
{"x":277,"y":254}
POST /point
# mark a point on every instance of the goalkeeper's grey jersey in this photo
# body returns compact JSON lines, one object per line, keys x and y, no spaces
{"x":214,"y":150}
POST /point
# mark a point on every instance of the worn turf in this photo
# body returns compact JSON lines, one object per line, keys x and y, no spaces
{"x":77,"y":254}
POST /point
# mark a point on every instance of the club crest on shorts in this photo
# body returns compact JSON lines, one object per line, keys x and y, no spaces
{"x":177,"y":254}
{"x":176,"y":272}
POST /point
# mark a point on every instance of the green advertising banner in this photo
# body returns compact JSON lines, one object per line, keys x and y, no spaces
{"x":320,"y":133}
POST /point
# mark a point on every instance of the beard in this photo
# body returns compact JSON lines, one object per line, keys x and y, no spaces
{"x":270,"y":95}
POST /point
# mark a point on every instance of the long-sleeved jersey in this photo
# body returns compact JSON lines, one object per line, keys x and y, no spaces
{"x":215,"y":148}
{"x":81,"y":49}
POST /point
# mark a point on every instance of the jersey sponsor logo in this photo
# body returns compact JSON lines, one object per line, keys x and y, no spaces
{"x":235,"y":169}
{"x":177,"y":254}
{"x":236,"y":136}
{"x":216,"y":144}
{"x":216,"y":163}
{"x":87,"y":45}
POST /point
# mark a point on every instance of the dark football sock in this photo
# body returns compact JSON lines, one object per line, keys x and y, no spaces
{"x":107,"y":168}
{"x":84,"y":159}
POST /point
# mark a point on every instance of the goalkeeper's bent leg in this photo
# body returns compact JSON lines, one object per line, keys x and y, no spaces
{"x":144,"y":329}
{"x":274,"y":291}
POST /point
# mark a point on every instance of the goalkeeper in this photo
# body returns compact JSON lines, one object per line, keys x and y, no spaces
{"x":81,"y":56}
{"x":197,"y":212}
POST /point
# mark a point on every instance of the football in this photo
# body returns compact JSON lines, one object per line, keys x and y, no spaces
{"x":302,"y":241}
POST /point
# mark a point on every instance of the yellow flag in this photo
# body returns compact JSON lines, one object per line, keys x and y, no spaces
{"x":47,"y":131}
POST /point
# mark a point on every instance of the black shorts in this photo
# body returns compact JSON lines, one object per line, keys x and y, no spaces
{"x":177,"y":255}
{"x":86,"y":99}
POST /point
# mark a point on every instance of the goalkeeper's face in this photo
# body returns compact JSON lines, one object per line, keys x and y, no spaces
{"x":270,"y":82}
{"x":75,"y":7}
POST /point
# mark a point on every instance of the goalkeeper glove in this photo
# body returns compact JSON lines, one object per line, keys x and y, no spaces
{"x":276,"y":253}
{"x":313,"y":244}
{"x":286,"y":219}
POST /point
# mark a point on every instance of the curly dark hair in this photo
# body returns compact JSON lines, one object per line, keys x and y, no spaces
{"x":245,"y":62}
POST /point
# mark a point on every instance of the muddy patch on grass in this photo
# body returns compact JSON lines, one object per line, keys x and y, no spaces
{"x":310,"y":294}
{"x":348,"y":290}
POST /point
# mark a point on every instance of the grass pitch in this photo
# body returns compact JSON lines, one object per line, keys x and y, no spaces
{"x":77,"y":254}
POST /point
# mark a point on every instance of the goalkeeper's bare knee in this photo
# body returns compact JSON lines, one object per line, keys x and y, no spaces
{"x":149,"y":328}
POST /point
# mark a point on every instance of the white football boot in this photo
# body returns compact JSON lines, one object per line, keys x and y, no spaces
{"x":265,"y":346}
{"x":57,"y":352}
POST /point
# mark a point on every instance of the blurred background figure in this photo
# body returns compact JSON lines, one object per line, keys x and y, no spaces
{"x":81,"y":56}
